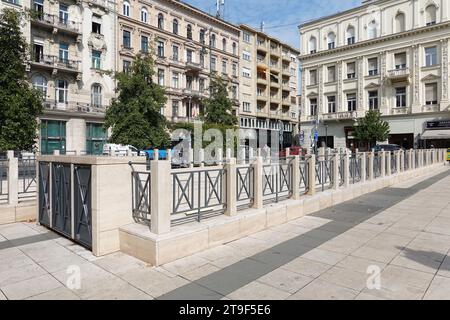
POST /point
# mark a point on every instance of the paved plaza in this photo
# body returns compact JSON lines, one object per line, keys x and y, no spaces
{"x":399,"y":236}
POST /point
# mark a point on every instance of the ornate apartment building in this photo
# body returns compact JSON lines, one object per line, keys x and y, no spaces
{"x":71,"y":47}
{"x":187,"y":44}
{"x":268,"y":84}
{"x":389,"y":55}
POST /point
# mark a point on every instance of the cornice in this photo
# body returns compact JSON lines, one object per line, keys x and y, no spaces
{"x":371,"y":42}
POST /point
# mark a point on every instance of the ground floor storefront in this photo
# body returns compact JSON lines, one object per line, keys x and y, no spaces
{"x":412,"y":131}
{"x":71,"y":136}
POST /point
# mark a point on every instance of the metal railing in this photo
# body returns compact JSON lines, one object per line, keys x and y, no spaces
{"x":141,"y":200}
{"x":304,"y":174}
{"x":341,"y":158}
{"x":245,"y":189}
{"x":27,"y":178}
{"x":324,"y":171}
{"x":198,"y":194}
{"x":277,"y":181}
{"x":355,"y":168}
{"x":4,"y":195}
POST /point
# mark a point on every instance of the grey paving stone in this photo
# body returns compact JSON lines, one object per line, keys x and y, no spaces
{"x":285,"y":280}
{"x":119,"y":263}
{"x":324,"y":256}
{"x":17,"y":274}
{"x":30,"y":287}
{"x":307,"y":267}
{"x":192,"y":291}
{"x":185,"y":264}
{"x":322,"y":290}
{"x":60,"y":293}
{"x":439,"y":289}
{"x":346,"y":278}
{"x":200,"y":272}
{"x":258,"y":291}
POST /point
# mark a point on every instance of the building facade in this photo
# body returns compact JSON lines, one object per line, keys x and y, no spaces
{"x":387,"y":55}
{"x":268,"y":85}
{"x":70,"y":51}
{"x":187,"y":44}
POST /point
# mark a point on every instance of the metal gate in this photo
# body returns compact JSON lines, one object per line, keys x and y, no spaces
{"x":61,"y":199}
{"x":65,"y":200}
{"x":83,"y":205}
{"x":44,"y":193}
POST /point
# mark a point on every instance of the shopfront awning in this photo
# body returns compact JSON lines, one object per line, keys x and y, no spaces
{"x":436,"y":134}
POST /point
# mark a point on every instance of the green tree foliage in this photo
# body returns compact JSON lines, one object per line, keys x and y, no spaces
{"x":134,"y":116}
{"x":20,"y":104}
{"x":371,"y":129}
{"x":218,"y":107}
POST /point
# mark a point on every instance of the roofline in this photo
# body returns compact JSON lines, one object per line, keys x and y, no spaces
{"x":245,"y":26}
{"x":205,"y":14}
{"x":337,"y":14}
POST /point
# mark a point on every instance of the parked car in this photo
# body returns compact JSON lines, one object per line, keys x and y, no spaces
{"x":119,"y":150}
{"x":448,"y":154}
{"x":387,"y":147}
{"x":150,"y":153}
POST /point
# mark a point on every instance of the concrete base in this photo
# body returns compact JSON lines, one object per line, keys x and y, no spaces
{"x":24,"y":211}
{"x":137,"y":240}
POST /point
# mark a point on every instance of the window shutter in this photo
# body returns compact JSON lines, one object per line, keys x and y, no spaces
{"x":431,"y":92}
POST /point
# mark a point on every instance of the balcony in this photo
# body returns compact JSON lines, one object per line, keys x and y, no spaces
{"x":275,"y":52}
{"x":286,"y":102}
{"x":126,"y":50}
{"x":55,"y":23}
{"x":400,"y":110}
{"x":262,"y":64}
{"x":275,"y":99}
{"x":274,"y":84}
{"x":286,"y":58}
{"x":286,"y":87}
{"x":53,"y":62}
{"x":286,"y":71}
{"x":261,"y":80}
{"x":193,"y":66}
{"x":346,"y":115}
{"x":262,"y":97}
{"x":192,"y":93}
{"x":74,"y":107}
{"x":398,"y":74}
{"x":262,"y":46}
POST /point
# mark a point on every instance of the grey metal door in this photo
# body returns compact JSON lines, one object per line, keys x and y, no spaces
{"x":61,"y":199}
{"x":44,"y":192}
{"x":83,"y":205}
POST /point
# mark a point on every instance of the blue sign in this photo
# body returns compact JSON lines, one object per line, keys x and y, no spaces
{"x":316,"y":136}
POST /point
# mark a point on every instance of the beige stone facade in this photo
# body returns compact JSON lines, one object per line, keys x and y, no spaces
{"x":187,"y":44}
{"x":268,"y":82}
{"x":386,"y":55}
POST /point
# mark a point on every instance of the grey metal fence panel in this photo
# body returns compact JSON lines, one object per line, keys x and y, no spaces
{"x":355,"y":168}
{"x":4,"y":194}
{"x":245,"y":190}
{"x":44,"y":193}
{"x":393,"y":163}
{"x":198,"y":194}
{"x":324,"y":172}
{"x":61,"y":199}
{"x":141,"y":200}
{"x":304,"y":174}
{"x":377,"y":165}
{"x":27,"y":178}
{"x":277,"y":181}
{"x":83,"y":205}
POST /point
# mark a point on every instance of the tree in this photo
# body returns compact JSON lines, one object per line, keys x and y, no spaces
{"x":218,"y":107}
{"x":20,"y":104}
{"x":371,"y":129}
{"x":134,"y":116}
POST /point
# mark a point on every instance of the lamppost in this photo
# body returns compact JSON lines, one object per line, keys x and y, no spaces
{"x":326,"y":135}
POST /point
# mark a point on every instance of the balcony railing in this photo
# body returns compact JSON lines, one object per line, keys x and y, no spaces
{"x":193,"y":66}
{"x":56,"y":62}
{"x":398,"y":73}
{"x":74,"y":107}
{"x":55,"y":21}
{"x":194,"y":93}
{"x":340,"y":115}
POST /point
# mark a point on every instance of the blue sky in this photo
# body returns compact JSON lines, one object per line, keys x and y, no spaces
{"x":281,"y":17}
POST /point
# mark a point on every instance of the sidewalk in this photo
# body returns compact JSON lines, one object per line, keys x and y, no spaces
{"x":403,"y":231}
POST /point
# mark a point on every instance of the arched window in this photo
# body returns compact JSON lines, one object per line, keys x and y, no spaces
{"x":40,"y":83}
{"x":224,"y":44}
{"x":400,"y":22}
{"x":372,"y":31}
{"x":331,"y":38}
{"x":175,"y":26}
{"x":234,"y":48}
{"x":160,"y":21}
{"x":126,"y":8}
{"x":96,"y":95}
{"x":312,"y":45}
{"x":350,"y":35}
{"x":189,"y":32}
{"x":144,"y":15}
{"x":430,"y":15}
{"x":202,"y":36}
{"x":212,"y":40}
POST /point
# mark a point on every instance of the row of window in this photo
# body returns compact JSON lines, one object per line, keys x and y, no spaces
{"x":62,"y":88}
{"x":399,"y":24}
{"x":176,"y":28}
{"x":400,"y":63}
{"x":431,"y":98}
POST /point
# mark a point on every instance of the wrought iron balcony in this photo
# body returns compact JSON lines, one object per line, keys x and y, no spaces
{"x":55,"y":22}
{"x":74,"y":107}
{"x":194,"y":93}
{"x":49,"y":61}
{"x":340,"y":115}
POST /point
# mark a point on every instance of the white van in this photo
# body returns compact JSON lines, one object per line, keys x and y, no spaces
{"x":119,"y":150}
